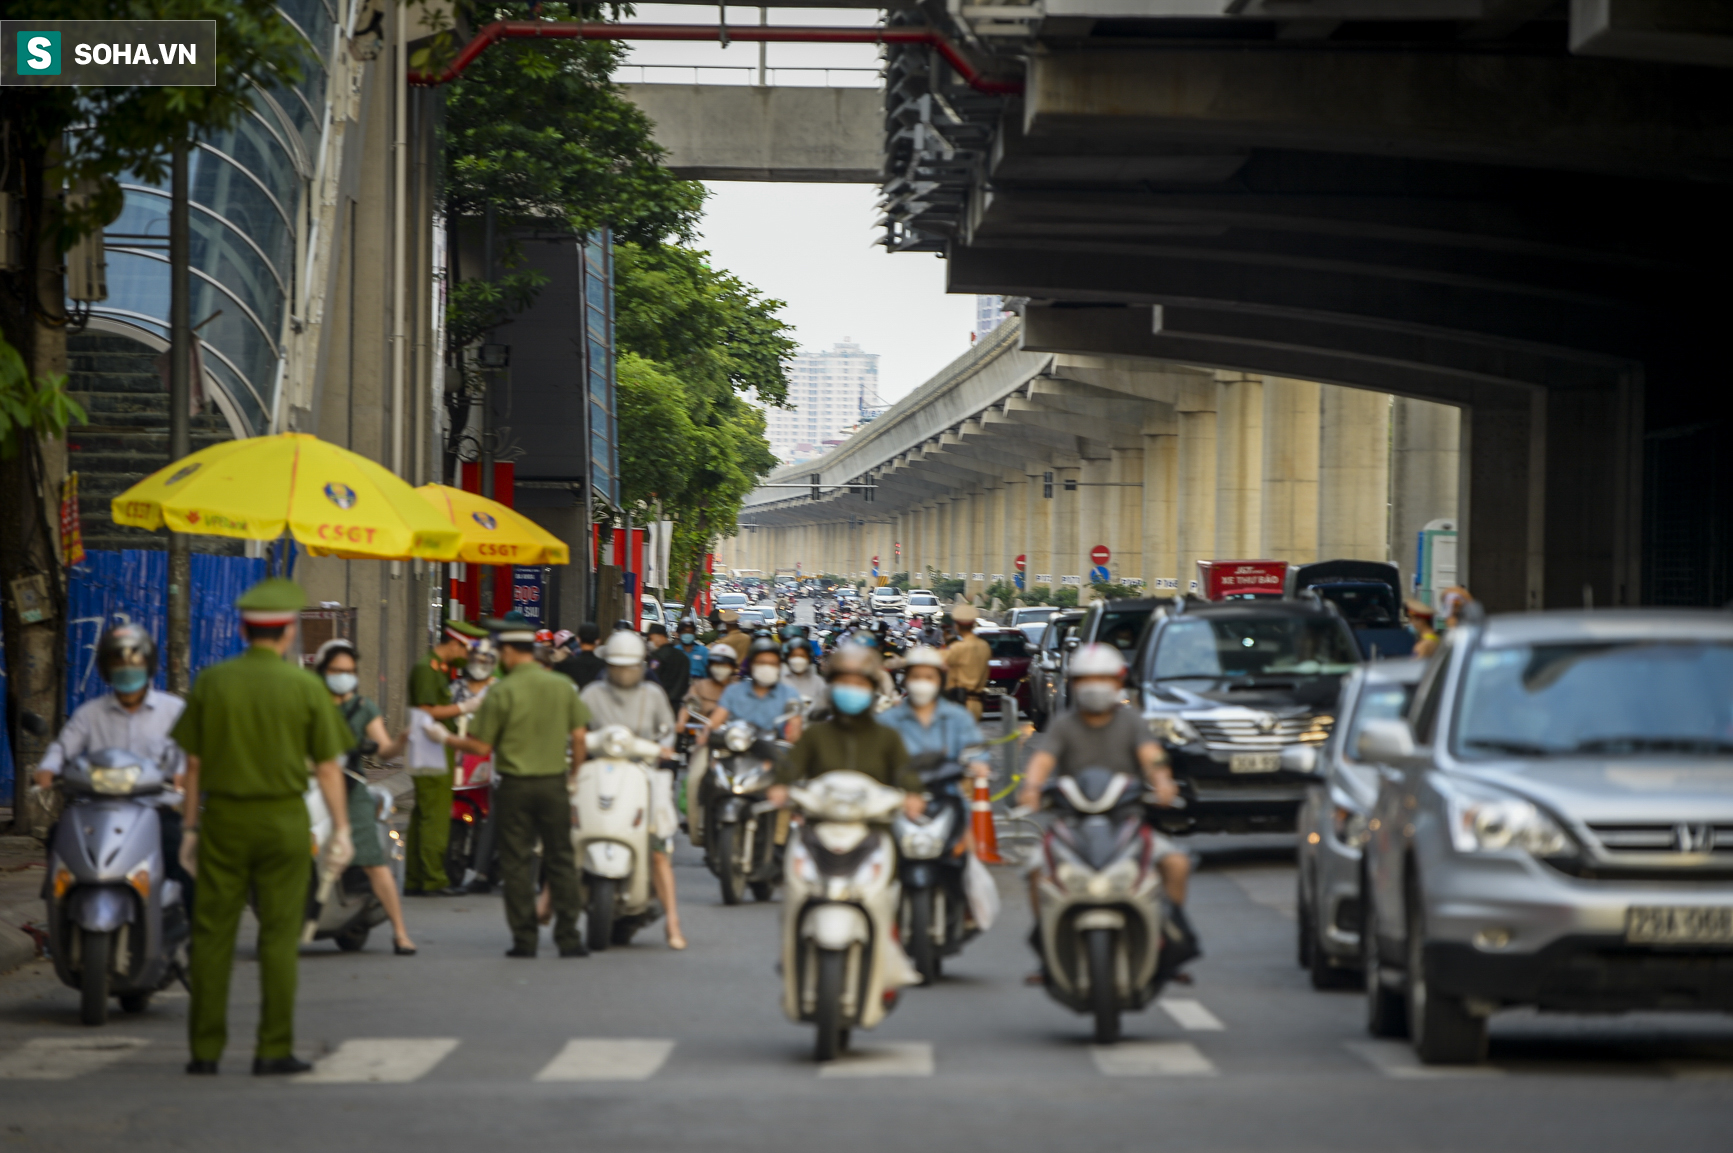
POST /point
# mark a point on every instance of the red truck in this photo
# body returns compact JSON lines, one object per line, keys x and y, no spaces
{"x":1220,"y":580}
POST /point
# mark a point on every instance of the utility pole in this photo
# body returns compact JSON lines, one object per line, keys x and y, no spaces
{"x":485,"y":604}
{"x":180,"y":441}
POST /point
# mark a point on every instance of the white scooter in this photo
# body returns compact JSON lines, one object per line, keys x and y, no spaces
{"x":614,"y":803}
{"x":841,"y":963}
{"x":343,"y":908}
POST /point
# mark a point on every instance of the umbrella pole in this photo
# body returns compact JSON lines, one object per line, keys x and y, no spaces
{"x":179,"y":420}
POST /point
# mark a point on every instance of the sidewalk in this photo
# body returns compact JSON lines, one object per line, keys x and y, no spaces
{"x":22,"y":866}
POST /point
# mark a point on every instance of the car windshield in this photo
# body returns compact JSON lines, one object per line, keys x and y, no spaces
{"x":918,"y":599}
{"x":1377,"y":703}
{"x":1030,"y":616}
{"x":1253,"y":646}
{"x":1365,"y":606}
{"x":1008,"y":645}
{"x":1597,"y":698}
{"x":1034,"y":632}
{"x":1120,"y":627}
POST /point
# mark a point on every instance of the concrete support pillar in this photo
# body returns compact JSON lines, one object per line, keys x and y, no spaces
{"x":1161,"y":509}
{"x":1040,"y":538}
{"x":1354,"y":474}
{"x":1239,"y":465}
{"x":1015,"y":541}
{"x":976,"y":504}
{"x":1290,"y":498}
{"x":1196,"y":412}
{"x":1127,"y":505}
{"x":1063,"y":524}
{"x":1425,"y":458}
{"x":1094,"y":497}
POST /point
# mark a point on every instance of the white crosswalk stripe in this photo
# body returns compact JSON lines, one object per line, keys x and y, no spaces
{"x":62,"y":1058}
{"x":890,"y":1059}
{"x":607,"y":1059}
{"x":1152,"y":1059}
{"x":379,"y":1060}
{"x":1397,"y":1059}
{"x":1191,"y":1015}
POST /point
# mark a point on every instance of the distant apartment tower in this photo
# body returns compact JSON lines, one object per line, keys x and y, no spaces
{"x":831,"y":391}
{"x":989,"y":314}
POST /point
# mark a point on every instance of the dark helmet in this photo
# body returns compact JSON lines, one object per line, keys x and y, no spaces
{"x":764,"y":644}
{"x":793,"y":643}
{"x":125,"y":646}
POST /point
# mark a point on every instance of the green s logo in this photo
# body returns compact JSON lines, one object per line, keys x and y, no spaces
{"x":39,"y":54}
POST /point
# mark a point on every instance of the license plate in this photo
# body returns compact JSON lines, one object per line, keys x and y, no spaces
{"x":1679,"y":925}
{"x":1254,"y":762}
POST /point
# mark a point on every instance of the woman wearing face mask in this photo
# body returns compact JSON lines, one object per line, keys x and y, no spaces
{"x":926,"y":722}
{"x":702,"y":700}
{"x":851,"y":739}
{"x":799,"y":671}
{"x":764,"y":699}
{"x":337,"y":663}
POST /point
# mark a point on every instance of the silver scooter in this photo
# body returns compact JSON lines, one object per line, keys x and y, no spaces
{"x":117,"y":926}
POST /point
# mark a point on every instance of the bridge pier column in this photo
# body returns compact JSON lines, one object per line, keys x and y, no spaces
{"x":1160,"y":505}
{"x":1063,"y":523}
{"x":1126,"y":501}
{"x":1239,"y":465}
{"x":1354,"y":474}
{"x":1290,"y":486}
{"x":1094,"y":493}
{"x":1197,"y":477}
{"x":1425,"y":443}
{"x":1014,"y":540}
{"x":1039,"y":542}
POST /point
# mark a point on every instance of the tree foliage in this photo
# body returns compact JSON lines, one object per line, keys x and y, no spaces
{"x":41,"y":406}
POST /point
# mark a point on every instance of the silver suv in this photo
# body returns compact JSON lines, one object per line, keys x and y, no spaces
{"x":1555,"y":827}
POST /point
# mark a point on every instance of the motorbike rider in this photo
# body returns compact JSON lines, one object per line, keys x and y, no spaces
{"x":732,"y":636}
{"x":625,"y":697}
{"x":584,"y":666}
{"x":763,"y":700}
{"x":697,"y":654}
{"x":1101,"y":732}
{"x":336,"y":663}
{"x":851,"y":739}
{"x":668,"y":665}
{"x":799,"y":671}
{"x":967,"y":659}
{"x":926,"y":721}
{"x":478,"y":677}
{"x":132,"y":716}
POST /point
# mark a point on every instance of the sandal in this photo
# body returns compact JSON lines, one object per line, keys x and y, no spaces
{"x":675,"y":940}
{"x":402,"y":950}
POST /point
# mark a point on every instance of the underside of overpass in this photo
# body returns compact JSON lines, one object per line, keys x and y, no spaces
{"x":1513,"y":207}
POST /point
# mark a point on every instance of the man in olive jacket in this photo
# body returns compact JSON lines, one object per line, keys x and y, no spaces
{"x":851,"y":739}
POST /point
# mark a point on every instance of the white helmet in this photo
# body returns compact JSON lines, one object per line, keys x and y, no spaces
{"x":1096,"y":660}
{"x":624,"y":648}
{"x":924,"y":656}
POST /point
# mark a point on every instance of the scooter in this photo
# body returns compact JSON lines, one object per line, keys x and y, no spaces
{"x":1103,"y":923}
{"x":116,"y":923}
{"x":933,"y":914}
{"x":841,"y":963}
{"x":471,"y":802}
{"x":612,"y":812}
{"x":739,"y":838}
{"x":345,"y":910}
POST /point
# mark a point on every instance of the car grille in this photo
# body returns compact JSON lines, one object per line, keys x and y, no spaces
{"x":1664,"y":843}
{"x":1247,"y":735}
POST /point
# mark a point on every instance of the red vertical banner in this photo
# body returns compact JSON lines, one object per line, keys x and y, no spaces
{"x":466,"y":590}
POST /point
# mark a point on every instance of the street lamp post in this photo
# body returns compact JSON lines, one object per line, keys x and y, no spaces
{"x":179,"y":417}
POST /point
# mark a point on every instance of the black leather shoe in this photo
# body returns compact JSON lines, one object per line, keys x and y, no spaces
{"x":578,"y":950}
{"x":202,"y":1068}
{"x":450,"y":891}
{"x":515,"y":951}
{"x":270,"y":1066}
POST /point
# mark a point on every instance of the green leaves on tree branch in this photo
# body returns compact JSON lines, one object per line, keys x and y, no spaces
{"x":40,"y":407}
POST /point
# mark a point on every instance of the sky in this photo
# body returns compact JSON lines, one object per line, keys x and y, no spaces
{"x":812,"y":245}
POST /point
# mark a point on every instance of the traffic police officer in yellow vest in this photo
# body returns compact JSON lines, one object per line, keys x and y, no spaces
{"x":251,"y":727}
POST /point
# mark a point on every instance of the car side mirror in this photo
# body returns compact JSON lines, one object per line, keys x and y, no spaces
{"x":1299,"y":759}
{"x":1071,"y":643}
{"x":1385,"y":741}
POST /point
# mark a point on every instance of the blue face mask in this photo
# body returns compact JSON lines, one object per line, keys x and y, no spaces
{"x":850,"y":699}
{"x":129,"y":679}
{"x":688,"y":638}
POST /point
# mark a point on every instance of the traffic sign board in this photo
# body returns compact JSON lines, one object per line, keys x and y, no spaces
{"x":1099,"y":555}
{"x":1099,"y":574}
{"x":1021,"y":562}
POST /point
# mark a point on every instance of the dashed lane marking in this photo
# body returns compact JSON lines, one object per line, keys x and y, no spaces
{"x":1152,"y":1059}
{"x":1190,"y":1014}
{"x":62,"y":1058}
{"x":1397,"y":1059}
{"x":891,"y":1059}
{"x":607,"y":1059}
{"x":382,"y":1060}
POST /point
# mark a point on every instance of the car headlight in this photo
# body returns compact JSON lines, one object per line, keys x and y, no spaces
{"x":117,"y":781}
{"x":1349,"y":825}
{"x":1173,"y":730}
{"x":1481,"y":825}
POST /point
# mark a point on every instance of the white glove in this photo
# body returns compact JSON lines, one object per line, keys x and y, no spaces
{"x":437,"y":732}
{"x":339,"y":851}
{"x":190,"y":852}
{"x":469,"y":705}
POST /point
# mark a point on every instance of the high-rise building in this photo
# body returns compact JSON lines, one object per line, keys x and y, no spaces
{"x":832,"y":393}
{"x":989,"y":314}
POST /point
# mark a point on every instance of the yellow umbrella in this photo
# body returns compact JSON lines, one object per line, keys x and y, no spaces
{"x":493,"y":533}
{"x":335,"y":502}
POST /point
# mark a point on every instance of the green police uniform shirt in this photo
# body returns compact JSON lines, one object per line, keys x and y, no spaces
{"x":430,"y":687}
{"x":254,"y":722}
{"x":528,"y":717}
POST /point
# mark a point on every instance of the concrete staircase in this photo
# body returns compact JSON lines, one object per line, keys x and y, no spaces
{"x":116,"y":380}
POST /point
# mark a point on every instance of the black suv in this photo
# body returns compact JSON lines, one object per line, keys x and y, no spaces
{"x":1227,"y":686}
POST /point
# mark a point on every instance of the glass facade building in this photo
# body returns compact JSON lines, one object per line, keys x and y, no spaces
{"x":598,"y":295}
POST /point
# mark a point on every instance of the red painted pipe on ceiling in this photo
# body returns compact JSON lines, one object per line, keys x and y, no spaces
{"x":746,"y":33}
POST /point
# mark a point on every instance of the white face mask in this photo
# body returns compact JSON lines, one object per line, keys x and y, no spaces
{"x":798,"y":665}
{"x":721,"y":674}
{"x":923,"y":692}
{"x":1095,"y":697}
{"x":766,"y":675}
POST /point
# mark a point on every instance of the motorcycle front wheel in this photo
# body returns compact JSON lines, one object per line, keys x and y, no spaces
{"x":921,"y":949}
{"x":1103,"y":997}
{"x":599,"y":921}
{"x":93,"y":979}
{"x":827,"y":1014}
{"x":728,"y":869}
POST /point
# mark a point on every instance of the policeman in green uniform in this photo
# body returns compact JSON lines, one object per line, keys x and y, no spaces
{"x":526,"y":722}
{"x":429,"y":831}
{"x":251,"y":726}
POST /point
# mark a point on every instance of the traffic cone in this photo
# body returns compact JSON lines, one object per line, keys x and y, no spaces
{"x":981,"y":825}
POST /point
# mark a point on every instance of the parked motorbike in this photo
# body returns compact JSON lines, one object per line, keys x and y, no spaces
{"x":933,"y":914}
{"x":345,"y":909}
{"x":841,"y":963}
{"x":471,"y":802}
{"x":612,"y":813}
{"x":739,"y":835}
{"x":116,"y":923}
{"x":1104,"y":923}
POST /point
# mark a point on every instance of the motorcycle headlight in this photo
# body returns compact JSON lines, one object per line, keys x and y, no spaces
{"x":117,"y":781}
{"x":1071,"y":877}
{"x":1173,"y":730}
{"x":738,"y":738}
{"x":616,"y":742}
{"x":920,"y":842}
{"x":1491,"y":825}
{"x":1117,"y":880}
{"x":750,"y":779}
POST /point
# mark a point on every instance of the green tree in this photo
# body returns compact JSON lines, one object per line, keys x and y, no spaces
{"x":1110,"y":591}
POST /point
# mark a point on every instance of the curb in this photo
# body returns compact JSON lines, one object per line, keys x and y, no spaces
{"x":16,"y":948}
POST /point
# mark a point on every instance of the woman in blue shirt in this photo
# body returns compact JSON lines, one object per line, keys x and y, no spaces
{"x":927,"y":722}
{"x":764,"y":699}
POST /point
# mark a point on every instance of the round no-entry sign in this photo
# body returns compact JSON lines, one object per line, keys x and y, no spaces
{"x":1021,"y":562}
{"x":1099,"y":554}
